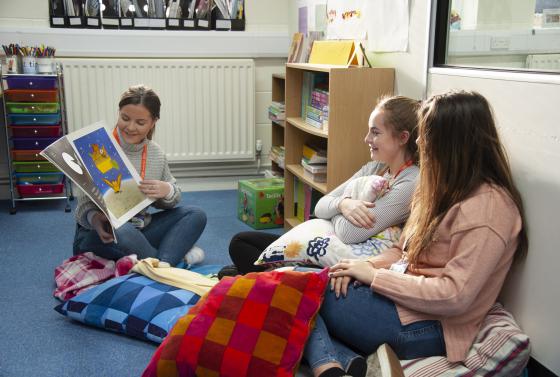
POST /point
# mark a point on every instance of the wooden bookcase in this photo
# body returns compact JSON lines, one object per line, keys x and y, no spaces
{"x":278,"y":94}
{"x":353,"y":93}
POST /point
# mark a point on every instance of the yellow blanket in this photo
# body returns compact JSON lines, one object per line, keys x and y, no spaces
{"x":177,"y":277}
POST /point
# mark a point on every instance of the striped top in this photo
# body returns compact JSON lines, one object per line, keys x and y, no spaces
{"x":156,"y":168}
{"x":391,"y":209}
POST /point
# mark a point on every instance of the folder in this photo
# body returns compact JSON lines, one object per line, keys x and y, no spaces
{"x":334,"y":53}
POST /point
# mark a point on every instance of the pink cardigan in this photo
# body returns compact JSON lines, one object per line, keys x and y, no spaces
{"x":459,"y":278}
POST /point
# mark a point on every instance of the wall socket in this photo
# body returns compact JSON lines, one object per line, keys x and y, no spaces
{"x":499,"y":43}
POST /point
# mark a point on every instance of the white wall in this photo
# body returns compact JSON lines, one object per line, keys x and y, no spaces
{"x":527,"y":115}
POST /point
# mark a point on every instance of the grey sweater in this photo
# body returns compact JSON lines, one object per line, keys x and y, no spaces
{"x":156,"y":168}
{"x":391,"y":209}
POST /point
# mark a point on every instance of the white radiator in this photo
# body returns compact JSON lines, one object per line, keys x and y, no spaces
{"x":543,"y":62}
{"x":208,"y":105}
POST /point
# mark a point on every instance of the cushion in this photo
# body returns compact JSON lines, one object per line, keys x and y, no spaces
{"x":131,"y":304}
{"x":500,"y":349}
{"x":251,"y":325}
{"x":314,"y":242}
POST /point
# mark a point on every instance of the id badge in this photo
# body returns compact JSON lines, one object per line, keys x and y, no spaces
{"x":138,"y":221}
{"x":399,"y":266}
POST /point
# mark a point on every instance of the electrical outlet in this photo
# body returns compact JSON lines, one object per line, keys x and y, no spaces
{"x":499,"y":43}
{"x":258,"y":145}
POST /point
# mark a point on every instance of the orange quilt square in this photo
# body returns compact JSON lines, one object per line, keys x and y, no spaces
{"x":220,"y":331}
{"x":241,"y":287}
{"x":286,"y":298}
{"x":270,"y":347}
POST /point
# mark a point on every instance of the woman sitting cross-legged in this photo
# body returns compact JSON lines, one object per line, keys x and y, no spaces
{"x":428,"y":295}
{"x":168,"y":234}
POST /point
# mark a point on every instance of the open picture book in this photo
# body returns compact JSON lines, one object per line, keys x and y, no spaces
{"x":94,"y":161}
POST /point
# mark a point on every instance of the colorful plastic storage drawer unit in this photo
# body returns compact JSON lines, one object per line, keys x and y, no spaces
{"x":31,"y":95}
{"x":38,"y":190}
{"x":36,"y":131}
{"x":29,"y":155}
{"x":32,"y":143}
{"x":32,"y":108}
{"x":47,"y":119}
{"x":31,"y":82}
{"x":42,"y":178}
{"x":33,"y":167}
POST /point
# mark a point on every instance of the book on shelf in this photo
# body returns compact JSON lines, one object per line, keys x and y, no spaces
{"x":307,"y":43}
{"x":305,"y":199}
{"x":310,"y":82}
{"x":95,"y":162}
{"x":314,"y":154}
{"x":314,"y":172}
{"x":277,"y":155}
{"x":276,"y":111}
{"x":295,"y":48}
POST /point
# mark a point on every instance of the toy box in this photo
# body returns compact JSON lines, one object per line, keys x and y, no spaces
{"x":261,"y":202}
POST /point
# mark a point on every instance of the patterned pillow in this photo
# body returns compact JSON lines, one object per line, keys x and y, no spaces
{"x":131,"y":304}
{"x":500,"y":349}
{"x":251,"y":325}
{"x":314,"y":242}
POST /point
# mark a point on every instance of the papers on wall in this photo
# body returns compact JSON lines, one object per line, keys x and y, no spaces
{"x":387,"y":25}
{"x":320,"y":17}
{"x":302,"y":20}
{"x":346,"y":19}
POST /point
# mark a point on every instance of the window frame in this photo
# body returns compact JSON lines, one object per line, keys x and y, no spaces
{"x":440,"y":45}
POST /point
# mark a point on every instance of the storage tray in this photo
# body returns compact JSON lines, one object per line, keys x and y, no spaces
{"x":43,"y":178}
{"x":31,"y":82}
{"x":16,"y":95}
{"x":27,"y":119}
{"x":36,"y":131}
{"x":33,"y":143}
{"x":27,"y":155}
{"x":32,"y":108}
{"x":34,"y":167}
{"x":39,"y":190}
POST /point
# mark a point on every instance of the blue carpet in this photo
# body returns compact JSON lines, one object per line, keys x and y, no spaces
{"x":37,"y":341}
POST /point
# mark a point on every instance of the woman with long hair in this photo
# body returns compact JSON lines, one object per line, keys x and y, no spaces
{"x":428,"y":295}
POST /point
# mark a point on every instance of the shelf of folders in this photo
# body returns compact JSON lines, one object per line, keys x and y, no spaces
{"x":315,"y":99}
{"x":29,"y":60}
{"x":149,"y":14}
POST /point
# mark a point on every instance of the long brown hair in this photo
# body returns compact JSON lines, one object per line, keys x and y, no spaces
{"x":459,"y":150}
{"x":401,"y":114}
{"x":142,"y":95}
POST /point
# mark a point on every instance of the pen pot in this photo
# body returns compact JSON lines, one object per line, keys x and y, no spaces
{"x":29,"y":64}
{"x":12,"y":64}
{"x":45,"y":65}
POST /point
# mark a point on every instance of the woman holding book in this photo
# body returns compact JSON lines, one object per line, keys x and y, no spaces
{"x":391,"y":138}
{"x":168,"y":234}
{"x":428,"y":295}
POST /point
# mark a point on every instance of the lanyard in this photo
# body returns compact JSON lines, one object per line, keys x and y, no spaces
{"x":404,"y":166}
{"x":144,"y":154}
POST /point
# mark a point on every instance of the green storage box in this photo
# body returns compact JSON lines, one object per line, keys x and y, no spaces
{"x":261,"y":202}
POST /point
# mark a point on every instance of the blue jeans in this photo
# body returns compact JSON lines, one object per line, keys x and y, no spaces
{"x":364,"y":320}
{"x":170,"y":234}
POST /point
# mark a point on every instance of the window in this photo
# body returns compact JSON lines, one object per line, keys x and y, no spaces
{"x":521,"y":35}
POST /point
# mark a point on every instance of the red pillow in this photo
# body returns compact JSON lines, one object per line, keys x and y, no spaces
{"x":251,"y":325}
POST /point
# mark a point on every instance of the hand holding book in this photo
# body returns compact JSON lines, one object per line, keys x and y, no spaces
{"x":155,"y":189}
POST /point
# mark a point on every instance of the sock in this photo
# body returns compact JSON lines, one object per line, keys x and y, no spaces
{"x":333,"y":372}
{"x":357,"y":367}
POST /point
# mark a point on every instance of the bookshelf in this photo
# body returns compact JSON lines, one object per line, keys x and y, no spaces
{"x":278,"y":126}
{"x":353,"y":93}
